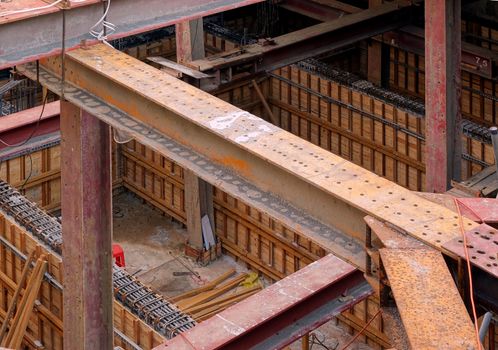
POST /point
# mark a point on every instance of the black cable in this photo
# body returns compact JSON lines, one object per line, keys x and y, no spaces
{"x":35,"y":129}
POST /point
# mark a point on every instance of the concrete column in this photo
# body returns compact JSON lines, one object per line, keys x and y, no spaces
{"x":189,"y":40}
{"x":197,"y":39}
{"x":198,"y":202}
{"x":87,"y":230}
{"x":198,"y":193}
{"x":442,"y":93}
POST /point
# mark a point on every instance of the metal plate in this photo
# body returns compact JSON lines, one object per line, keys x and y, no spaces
{"x":482,"y":244}
{"x":431,"y":309}
{"x":485,"y":209}
{"x":391,"y":238}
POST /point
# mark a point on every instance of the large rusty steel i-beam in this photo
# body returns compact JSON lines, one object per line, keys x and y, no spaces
{"x":304,"y":186}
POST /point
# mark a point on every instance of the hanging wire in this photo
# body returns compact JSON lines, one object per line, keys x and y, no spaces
{"x":107,"y":27}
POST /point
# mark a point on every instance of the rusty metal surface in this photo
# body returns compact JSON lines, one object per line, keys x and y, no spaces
{"x":433,"y":314}
{"x":484,"y":209}
{"x":336,"y":192}
{"x":281,"y":313}
{"x":86,"y":230}
{"x":391,"y":238}
{"x":130,"y":17}
{"x":482,"y":245}
{"x":443,"y":54}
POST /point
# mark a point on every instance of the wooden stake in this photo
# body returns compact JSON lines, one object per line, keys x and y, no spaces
{"x":208,"y":286}
{"x":273,"y":119}
{"x":16,"y":295}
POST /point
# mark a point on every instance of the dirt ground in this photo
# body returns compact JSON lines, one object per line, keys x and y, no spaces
{"x":153,"y":247}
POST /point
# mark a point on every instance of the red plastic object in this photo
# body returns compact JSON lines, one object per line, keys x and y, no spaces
{"x":118,"y":255}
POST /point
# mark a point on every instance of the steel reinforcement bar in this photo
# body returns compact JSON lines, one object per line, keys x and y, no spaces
{"x":149,"y":306}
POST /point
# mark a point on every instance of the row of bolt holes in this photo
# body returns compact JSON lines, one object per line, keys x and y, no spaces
{"x":316,"y":171}
{"x":481,"y":251}
{"x":362,"y":194}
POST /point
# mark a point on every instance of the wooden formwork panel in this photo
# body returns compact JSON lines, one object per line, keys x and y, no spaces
{"x":480,"y":34}
{"x":45,"y":326}
{"x":214,"y":44}
{"x":37,"y":174}
{"x":154,"y":177}
{"x":358,"y":127}
{"x":479,"y":102}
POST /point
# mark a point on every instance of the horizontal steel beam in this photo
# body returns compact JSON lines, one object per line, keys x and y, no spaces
{"x":17,"y":127}
{"x":33,"y":35}
{"x":281,"y":313}
{"x":304,"y":186}
{"x":312,"y":41}
{"x":475,"y":59}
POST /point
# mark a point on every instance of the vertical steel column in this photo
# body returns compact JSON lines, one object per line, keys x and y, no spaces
{"x":183,"y":42}
{"x":87,"y":230}
{"x":442,"y":93}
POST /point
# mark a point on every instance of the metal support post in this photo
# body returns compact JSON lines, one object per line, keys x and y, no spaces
{"x":442,"y":87}
{"x":87,"y":230}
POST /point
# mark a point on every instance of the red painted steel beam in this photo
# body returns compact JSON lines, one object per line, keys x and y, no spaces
{"x":21,"y":45}
{"x":281,"y":313}
{"x":442,"y":88}
{"x":86,"y":230}
{"x":17,"y":127}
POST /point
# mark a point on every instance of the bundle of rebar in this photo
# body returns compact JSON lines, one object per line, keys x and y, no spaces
{"x":409,"y":104}
{"x":149,"y":306}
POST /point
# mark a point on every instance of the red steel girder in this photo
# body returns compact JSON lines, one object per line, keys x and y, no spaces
{"x":33,"y":35}
{"x":17,"y":127}
{"x":281,"y":313}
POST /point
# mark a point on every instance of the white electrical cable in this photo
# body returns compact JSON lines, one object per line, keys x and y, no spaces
{"x":13,"y":12}
{"x":101,"y":35}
